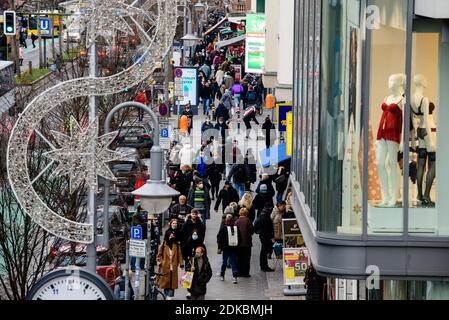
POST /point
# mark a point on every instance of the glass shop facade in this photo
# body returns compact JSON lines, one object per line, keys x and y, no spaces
{"x":370,"y":183}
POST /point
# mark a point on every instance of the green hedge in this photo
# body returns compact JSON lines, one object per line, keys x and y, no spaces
{"x":27,"y":78}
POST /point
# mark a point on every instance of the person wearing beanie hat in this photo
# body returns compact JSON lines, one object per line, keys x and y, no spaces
{"x":266,"y":181}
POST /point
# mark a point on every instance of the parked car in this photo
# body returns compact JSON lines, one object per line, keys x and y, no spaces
{"x":108,"y":266}
{"x":136,"y":135}
{"x":127,"y":170}
{"x":119,"y":229}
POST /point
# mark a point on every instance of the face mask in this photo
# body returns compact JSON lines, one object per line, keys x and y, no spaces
{"x":195,"y":237}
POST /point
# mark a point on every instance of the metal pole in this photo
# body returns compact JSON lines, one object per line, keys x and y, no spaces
{"x":39,"y":37}
{"x":127,"y":272}
{"x":91,"y":248}
{"x":148,"y":256}
{"x":45,"y":52}
{"x":60,"y":35}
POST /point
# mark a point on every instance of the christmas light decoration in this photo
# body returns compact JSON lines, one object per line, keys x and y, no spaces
{"x":157,"y":46}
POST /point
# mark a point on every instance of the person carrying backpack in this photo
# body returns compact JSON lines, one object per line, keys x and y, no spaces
{"x":228,"y":241}
{"x":240,"y":174}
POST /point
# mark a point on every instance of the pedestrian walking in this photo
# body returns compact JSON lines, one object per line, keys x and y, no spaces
{"x":226,"y":100}
{"x":189,"y":113}
{"x":193,"y":241}
{"x":237,"y":92}
{"x":250,"y":162}
{"x":226,"y":195}
{"x":23,"y":36}
{"x":239,"y":174}
{"x":281,"y":182}
{"x":21,"y":55}
{"x":33,"y":39}
{"x":247,"y":203}
{"x":246,"y":231}
{"x":276,"y":217}
{"x":251,"y":97}
{"x":183,"y":179}
{"x":228,"y":80}
{"x":206,"y":96}
{"x":169,"y":258}
{"x":263,"y":226}
{"x":261,"y":199}
{"x":215,"y":175}
{"x":269,"y":133}
{"x":206,"y":70}
{"x":199,"y":199}
{"x":180,"y":210}
{"x":207,"y":125}
{"x":193,"y":223}
{"x":227,"y":241}
{"x":202,"y":273}
{"x":266,"y":180}
{"x":248,"y":116}
{"x":219,"y":75}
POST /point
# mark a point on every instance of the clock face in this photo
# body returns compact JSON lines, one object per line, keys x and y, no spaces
{"x":70,"y":285}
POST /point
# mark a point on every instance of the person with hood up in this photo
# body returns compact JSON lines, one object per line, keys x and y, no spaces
{"x":269,"y":133}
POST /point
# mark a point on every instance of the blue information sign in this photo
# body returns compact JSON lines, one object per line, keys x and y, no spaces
{"x":136,"y":233}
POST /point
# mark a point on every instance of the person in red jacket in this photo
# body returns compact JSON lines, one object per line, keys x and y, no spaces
{"x":142,"y":98}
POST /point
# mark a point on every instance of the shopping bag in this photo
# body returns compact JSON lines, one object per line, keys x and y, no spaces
{"x":186,"y":279}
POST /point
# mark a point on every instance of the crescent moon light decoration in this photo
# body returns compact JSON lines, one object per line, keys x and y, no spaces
{"x":100,"y":13}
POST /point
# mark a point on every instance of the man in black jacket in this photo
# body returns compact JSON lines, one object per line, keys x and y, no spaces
{"x":193,"y":222}
{"x":181,"y":210}
{"x":266,"y":235}
{"x":226,"y":195}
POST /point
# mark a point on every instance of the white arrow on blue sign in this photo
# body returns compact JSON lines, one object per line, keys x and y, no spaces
{"x":136,"y":233}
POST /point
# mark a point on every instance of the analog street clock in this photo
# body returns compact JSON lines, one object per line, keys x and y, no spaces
{"x":71,"y":284}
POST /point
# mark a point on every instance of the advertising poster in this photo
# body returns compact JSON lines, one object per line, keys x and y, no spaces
{"x":281,"y":115}
{"x":238,"y":71}
{"x":189,"y":86}
{"x":255,"y":43}
{"x":289,"y":134}
{"x":296,"y":262}
{"x":292,"y":234}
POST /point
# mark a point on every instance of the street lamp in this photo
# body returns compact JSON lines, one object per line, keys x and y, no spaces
{"x":200,"y":7}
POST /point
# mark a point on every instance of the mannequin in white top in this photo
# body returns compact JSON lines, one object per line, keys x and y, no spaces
{"x":389,"y":142}
{"x":425,"y":127}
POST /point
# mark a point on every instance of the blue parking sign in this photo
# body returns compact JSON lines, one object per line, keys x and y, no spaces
{"x":136,"y":233}
{"x":164,"y":133}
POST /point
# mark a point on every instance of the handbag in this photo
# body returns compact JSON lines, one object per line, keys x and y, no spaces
{"x":187,"y":278}
{"x":281,"y":179}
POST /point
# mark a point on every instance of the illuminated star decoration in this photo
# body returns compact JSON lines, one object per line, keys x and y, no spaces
{"x":103,"y":18}
{"x":83,"y":155}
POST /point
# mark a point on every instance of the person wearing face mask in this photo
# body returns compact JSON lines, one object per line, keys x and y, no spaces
{"x":199,"y":198}
{"x":189,"y":114}
{"x":169,"y":258}
{"x":193,"y":223}
{"x":194,"y":241}
{"x":202,"y":273}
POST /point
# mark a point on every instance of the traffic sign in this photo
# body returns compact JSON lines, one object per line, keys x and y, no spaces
{"x":164,"y":133}
{"x":178,"y":73}
{"x":136,"y":233}
{"x":163,"y":110}
{"x":164,"y":139}
{"x":45,"y":26}
{"x":137,"y":248}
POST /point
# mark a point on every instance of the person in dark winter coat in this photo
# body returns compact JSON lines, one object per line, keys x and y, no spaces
{"x":181,"y":209}
{"x":261,"y":200}
{"x":270,"y":136}
{"x":222,"y":112}
{"x":206,"y":126}
{"x":193,"y":242}
{"x":240,"y":176}
{"x":183,"y":179}
{"x":199,"y":198}
{"x":246,"y":231}
{"x":214,"y":173}
{"x":250,"y":162}
{"x":221,"y":126}
{"x":229,"y":252}
{"x":193,"y":223}
{"x":226,"y":195}
{"x":266,"y":180}
{"x":202,"y":273}
{"x":314,"y":284}
{"x":264,"y":227}
{"x":281,"y":182}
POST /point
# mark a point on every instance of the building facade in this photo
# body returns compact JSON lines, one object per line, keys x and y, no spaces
{"x":279,"y":48}
{"x":370,"y":92}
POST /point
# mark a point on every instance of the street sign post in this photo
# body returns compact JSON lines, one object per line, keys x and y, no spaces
{"x":164,"y":139}
{"x":45,"y":26}
{"x":136,"y":233}
{"x":137,"y":248}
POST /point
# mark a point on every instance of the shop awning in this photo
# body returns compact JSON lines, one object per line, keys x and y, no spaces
{"x":274,"y":155}
{"x":212,"y":29}
{"x":229,"y":42}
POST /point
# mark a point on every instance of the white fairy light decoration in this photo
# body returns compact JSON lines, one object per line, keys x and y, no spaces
{"x":40,"y":107}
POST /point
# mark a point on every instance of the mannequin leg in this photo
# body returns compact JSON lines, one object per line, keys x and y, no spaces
{"x":422,"y":157}
{"x":393,"y":149}
{"x":430,"y":178}
{"x":381,"y":158}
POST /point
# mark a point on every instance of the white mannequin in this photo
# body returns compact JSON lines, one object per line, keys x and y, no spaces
{"x":423,"y":123}
{"x":387,"y":150}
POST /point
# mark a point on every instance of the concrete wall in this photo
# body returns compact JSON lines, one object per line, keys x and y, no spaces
{"x":285,"y":50}
{"x":271,"y":43}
